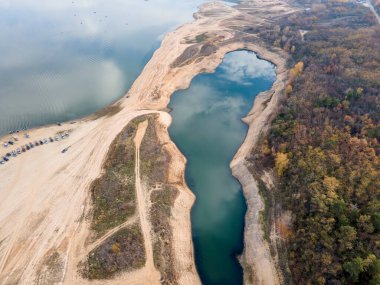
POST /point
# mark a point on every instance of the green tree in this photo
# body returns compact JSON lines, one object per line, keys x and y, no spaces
{"x":354,"y":268}
{"x":365,"y":224}
{"x":347,"y":237}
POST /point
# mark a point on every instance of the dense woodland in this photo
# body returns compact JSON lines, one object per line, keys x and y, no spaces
{"x":325,"y":143}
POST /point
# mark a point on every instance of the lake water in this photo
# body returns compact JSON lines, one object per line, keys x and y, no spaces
{"x":63,"y":59}
{"x":208,"y":130}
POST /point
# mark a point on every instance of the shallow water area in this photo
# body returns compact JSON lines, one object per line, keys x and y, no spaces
{"x":64,"y":59}
{"x":208,"y":130}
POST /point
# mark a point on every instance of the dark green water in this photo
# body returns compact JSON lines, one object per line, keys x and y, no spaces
{"x":208,"y":130}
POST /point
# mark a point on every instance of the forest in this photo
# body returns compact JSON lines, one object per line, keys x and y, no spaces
{"x":324,"y":144}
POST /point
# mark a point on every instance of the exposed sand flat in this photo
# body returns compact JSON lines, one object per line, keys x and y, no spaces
{"x":44,"y":195}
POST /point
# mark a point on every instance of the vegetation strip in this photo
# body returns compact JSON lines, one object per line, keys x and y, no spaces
{"x":154,"y":167}
{"x":122,"y":251}
{"x":113,"y":194}
{"x":114,"y":202}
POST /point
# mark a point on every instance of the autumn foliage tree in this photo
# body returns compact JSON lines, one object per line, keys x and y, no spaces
{"x":281,"y":163}
{"x":325,"y":144}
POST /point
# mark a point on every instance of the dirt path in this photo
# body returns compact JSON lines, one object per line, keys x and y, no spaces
{"x":142,"y":205}
{"x":95,"y":244}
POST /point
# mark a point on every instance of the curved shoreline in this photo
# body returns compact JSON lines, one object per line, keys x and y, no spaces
{"x":256,"y":248}
{"x":54,"y":219}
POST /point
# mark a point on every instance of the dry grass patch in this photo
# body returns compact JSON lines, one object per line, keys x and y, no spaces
{"x":51,"y":270}
{"x":113,"y":194}
{"x":124,"y":251}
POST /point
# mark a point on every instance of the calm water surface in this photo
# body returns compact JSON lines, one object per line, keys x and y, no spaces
{"x":62,"y":59}
{"x":208,"y":130}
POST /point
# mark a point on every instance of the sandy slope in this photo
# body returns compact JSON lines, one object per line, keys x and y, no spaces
{"x":256,"y":250}
{"x":180,"y":221}
{"x":44,"y":194}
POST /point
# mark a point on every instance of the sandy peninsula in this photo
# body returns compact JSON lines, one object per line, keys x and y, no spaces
{"x":45,"y":199}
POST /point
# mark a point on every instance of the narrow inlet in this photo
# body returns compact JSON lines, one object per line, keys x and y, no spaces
{"x":208,"y":130}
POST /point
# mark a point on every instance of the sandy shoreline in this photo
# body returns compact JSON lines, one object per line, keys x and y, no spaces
{"x":45,"y":197}
{"x":256,"y":254}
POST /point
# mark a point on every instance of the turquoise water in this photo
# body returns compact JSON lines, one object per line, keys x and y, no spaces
{"x":63,"y":59}
{"x":208,"y":130}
